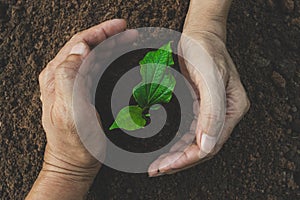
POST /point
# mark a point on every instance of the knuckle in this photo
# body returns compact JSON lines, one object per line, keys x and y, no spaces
{"x":68,"y":69}
{"x":65,"y":73}
{"x":76,"y":59}
{"x":51,"y":65}
{"x":42,"y":76}
{"x":241,"y":101}
{"x":248,"y":104}
{"x":244,"y":102}
{"x":244,"y":105}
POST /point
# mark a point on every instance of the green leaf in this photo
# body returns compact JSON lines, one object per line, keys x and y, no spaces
{"x":114,"y":126}
{"x":162,"y":94}
{"x":156,"y":85}
{"x":129,"y":118}
{"x":140,"y":95}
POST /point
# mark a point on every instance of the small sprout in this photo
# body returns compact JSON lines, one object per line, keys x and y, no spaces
{"x":156,"y":88}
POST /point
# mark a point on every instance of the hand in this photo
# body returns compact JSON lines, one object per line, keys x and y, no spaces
{"x":217,"y":109}
{"x":68,"y":167}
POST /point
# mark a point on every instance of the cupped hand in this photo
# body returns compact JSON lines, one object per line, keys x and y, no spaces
{"x":64,"y":151}
{"x":66,"y":86}
{"x":219,"y":104}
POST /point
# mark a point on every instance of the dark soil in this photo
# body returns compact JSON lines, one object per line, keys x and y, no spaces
{"x":261,"y":160}
{"x":175,"y":113}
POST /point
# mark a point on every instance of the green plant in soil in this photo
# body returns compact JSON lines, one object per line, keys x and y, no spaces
{"x":156,"y":87}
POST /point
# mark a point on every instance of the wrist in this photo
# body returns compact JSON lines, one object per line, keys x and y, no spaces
{"x":63,"y":181}
{"x":82,"y":167}
{"x":207,"y":16}
{"x":210,"y":8}
{"x":63,"y":178}
{"x":55,"y":185}
{"x":66,"y":171}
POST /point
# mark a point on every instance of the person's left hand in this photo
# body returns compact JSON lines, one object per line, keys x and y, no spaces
{"x":220,"y":101}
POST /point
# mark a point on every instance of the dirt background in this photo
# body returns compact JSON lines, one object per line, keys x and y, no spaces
{"x":260,"y":161}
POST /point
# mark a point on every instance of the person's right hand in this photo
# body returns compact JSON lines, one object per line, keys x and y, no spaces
{"x":64,"y":150}
{"x":69,"y":168}
{"x":221,"y":100}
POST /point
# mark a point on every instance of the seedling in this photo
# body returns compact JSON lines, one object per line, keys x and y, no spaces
{"x":156,"y":88}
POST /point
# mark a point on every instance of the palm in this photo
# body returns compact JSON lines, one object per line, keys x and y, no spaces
{"x":190,"y":150}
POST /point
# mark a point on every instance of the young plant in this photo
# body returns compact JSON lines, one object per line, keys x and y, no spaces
{"x":156,"y":88}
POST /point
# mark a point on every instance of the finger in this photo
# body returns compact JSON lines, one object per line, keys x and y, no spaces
{"x":89,"y":37}
{"x":129,"y":36}
{"x":209,"y":78}
{"x":186,"y":140}
{"x":126,"y":37}
{"x":211,"y":112}
{"x":92,"y":37}
{"x":105,"y":53}
{"x":177,"y":161}
{"x":165,"y":163}
{"x":179,"y":146}
{"x":153,"y":168}
{"x":237,"y":106}
{"x":188,"y":158}
{"x":113,"y":46}
{"x":159,"y":166}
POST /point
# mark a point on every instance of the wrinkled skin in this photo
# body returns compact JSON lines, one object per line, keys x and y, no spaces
{"x":57,"y":83}
{"x":210,"y":128}
{"x":68,"y":168}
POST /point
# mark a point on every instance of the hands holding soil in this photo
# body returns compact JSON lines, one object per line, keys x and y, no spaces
{"x":65,"y":176}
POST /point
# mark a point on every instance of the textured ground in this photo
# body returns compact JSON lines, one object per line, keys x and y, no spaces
{"x":260,"y":161}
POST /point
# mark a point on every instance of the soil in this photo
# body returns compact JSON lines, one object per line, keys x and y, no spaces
{"x":261,"y":160}
{"x":175,"y":114}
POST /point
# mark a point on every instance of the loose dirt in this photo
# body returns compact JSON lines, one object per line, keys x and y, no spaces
{"x":261,"y":160}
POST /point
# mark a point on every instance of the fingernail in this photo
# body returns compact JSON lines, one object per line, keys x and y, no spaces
{"x":79,"y":49}
{"x":207,"y":143}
